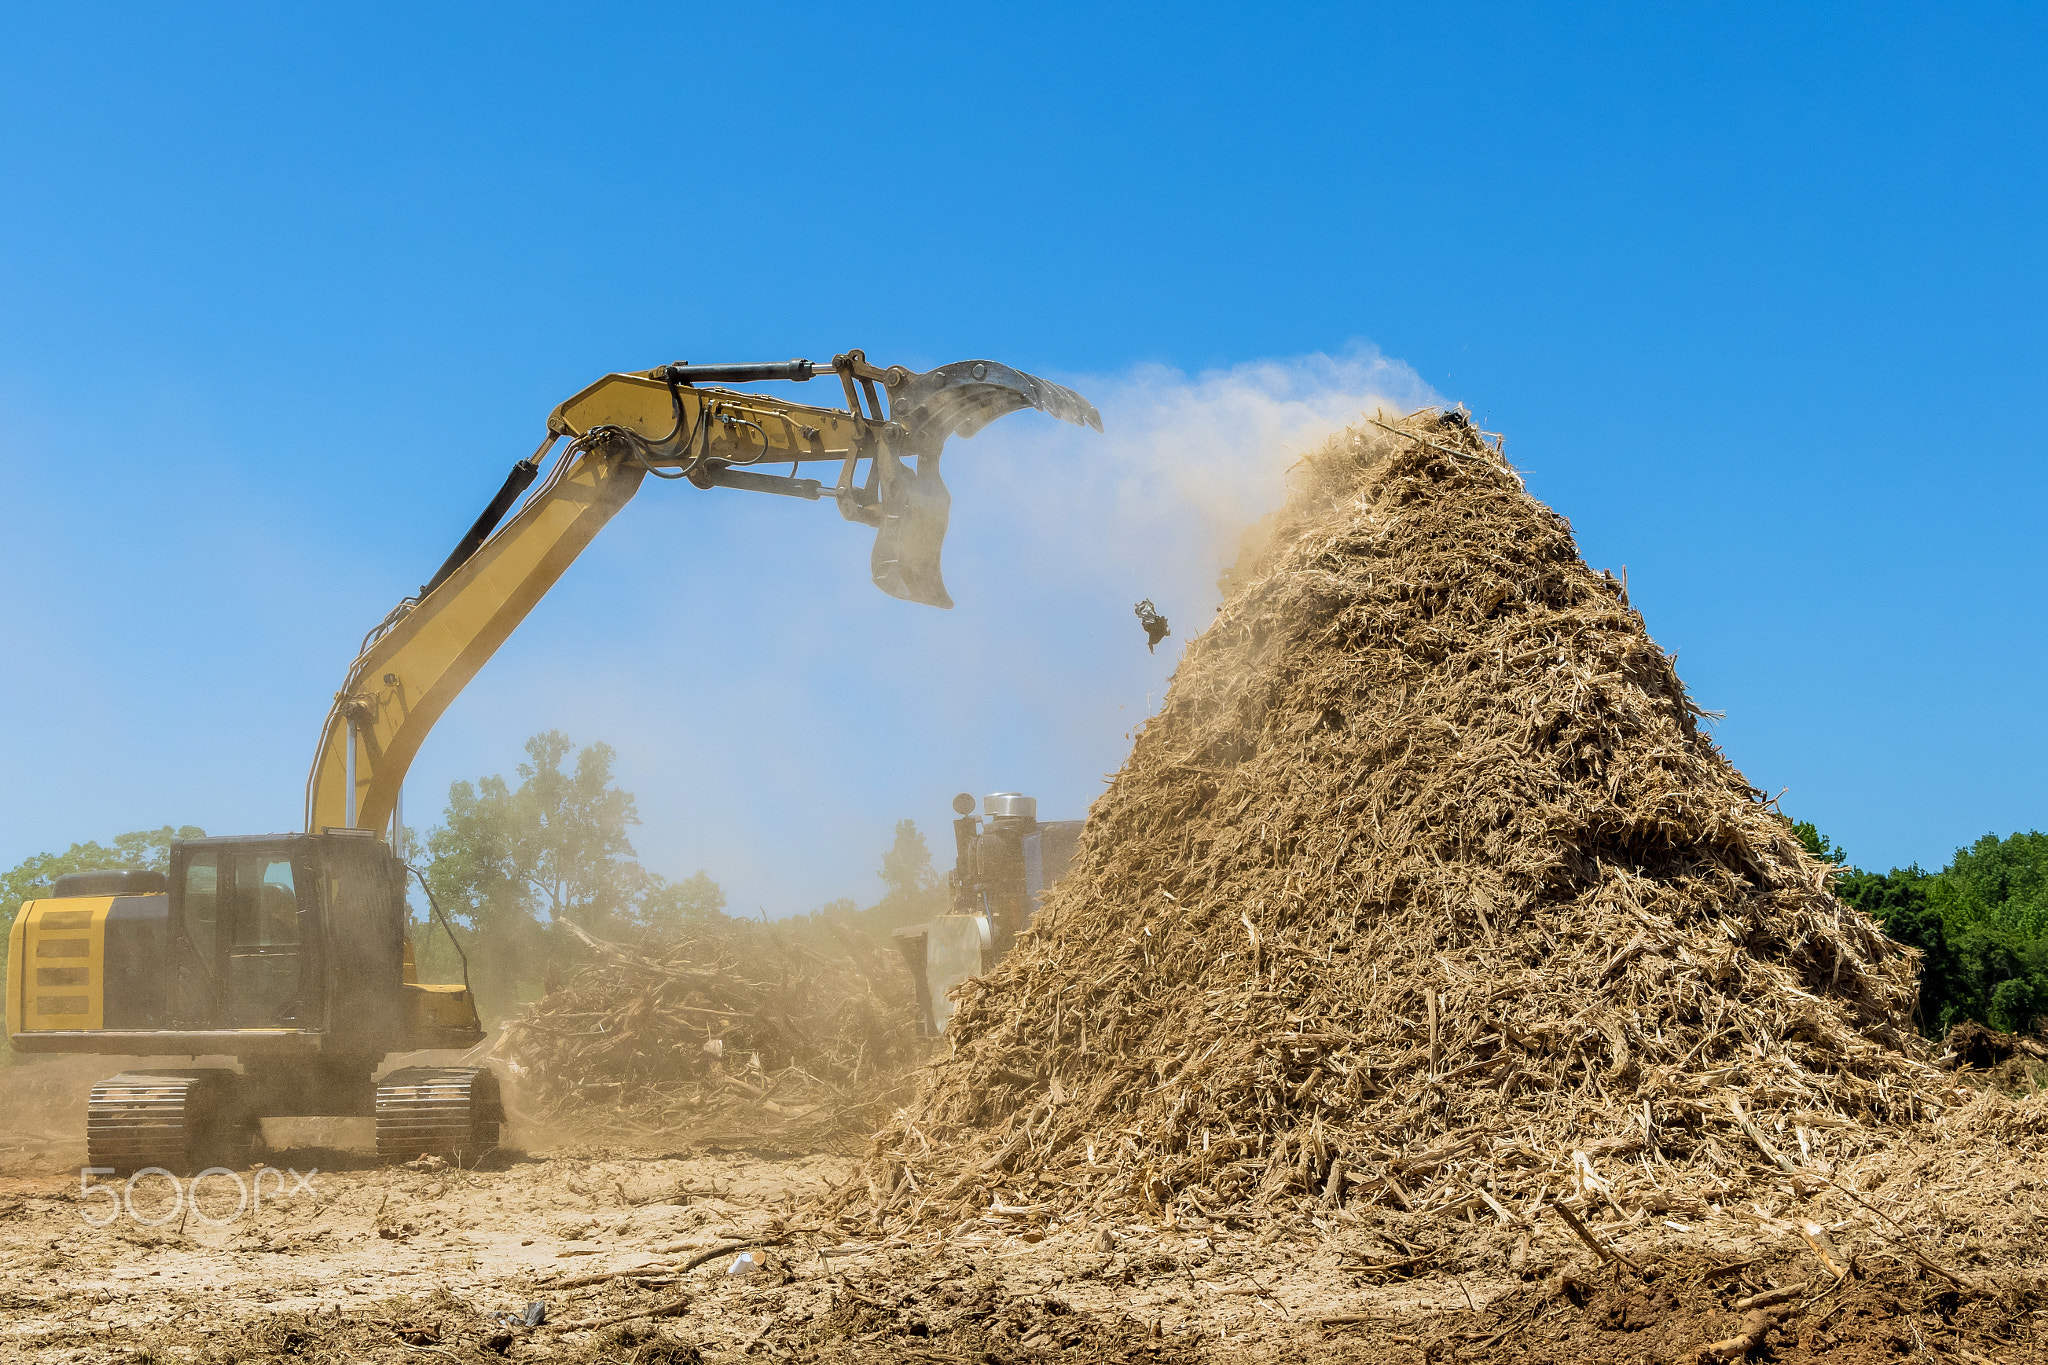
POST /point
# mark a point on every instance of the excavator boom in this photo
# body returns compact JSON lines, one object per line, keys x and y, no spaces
{"x":881,"y":455}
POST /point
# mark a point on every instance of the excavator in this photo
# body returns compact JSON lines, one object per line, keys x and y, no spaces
{"x":290,"y":953}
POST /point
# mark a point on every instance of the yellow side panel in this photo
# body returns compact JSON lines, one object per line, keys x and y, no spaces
{"x":56,"y":965}
{"x":16,"y":936}
{"x":440,"y":1016}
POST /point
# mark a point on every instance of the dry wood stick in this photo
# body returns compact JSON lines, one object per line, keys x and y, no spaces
{"x":1369,"y":1267}
{"x":1817,"y":1239}
{"x":1497,"y":1207}
{"x":669,"y":1309}
{"x":1769,"y":1297}
{"x":579,"y":1281}
{"x":719,"y":1251}
{"x":1482,"y":1064}
{"x":1435,"y":1048}
{"x":1742,"y":1343}
{"x":1756,"y":1135}
{"x":1458,"y":454}
{"x":1901,"y":1239}
{"x":1605,"y":1253}
{"x":1018,"y":1141}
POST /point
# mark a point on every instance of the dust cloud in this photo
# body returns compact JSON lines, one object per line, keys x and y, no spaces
{"x":842,"y":710}
{"x":42,"y":1108}
{"x":1185,"y":464}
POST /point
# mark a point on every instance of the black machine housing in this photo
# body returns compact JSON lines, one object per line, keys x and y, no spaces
{"x":264,"y":945}
{"x":1005,"y":860}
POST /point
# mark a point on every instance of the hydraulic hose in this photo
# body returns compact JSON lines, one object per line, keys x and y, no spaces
{"x":518,"y":481}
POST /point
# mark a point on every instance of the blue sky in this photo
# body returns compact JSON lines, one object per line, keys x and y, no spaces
{"x":1756,"y":293}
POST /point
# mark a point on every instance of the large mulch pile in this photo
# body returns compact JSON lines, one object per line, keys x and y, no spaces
{"x":730,"y":1032}
{"x":1427,"y":891}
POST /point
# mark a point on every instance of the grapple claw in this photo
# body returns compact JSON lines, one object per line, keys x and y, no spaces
{"x":961,"y":398}
{"x":915,"y":509}
{"x":953,"y":400}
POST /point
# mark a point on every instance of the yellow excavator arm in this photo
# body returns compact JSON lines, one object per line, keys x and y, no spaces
{"x":664,"y":423}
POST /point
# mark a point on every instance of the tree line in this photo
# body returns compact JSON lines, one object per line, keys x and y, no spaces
{"x":1981,"y":925}
{"x":509,"y":860}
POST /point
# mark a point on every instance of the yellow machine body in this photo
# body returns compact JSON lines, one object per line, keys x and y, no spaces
{"x":56,"y":965}
{"x":439,"y":1016}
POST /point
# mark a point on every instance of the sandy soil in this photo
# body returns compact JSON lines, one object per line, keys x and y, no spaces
{"x":372,"y":1264}
{"x":630,"y":1254}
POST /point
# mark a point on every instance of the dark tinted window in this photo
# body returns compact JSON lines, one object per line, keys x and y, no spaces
{"x":266,"y":906}
{"x":202,"y":902}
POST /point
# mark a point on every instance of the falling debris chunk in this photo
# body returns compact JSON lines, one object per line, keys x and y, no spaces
{"x":1426,"y":889}
{"x":1154,"y":624}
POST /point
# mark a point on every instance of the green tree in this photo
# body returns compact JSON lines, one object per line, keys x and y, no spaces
{"x":554,"y":847}
{"x":907,"y":863}
{"x":694,"y":901}
{"x":1998,"y":883}
{"x":1981,"y":925}
{"x":1898,"y":901}
{"x":916,"y":891}
{"x":506,"y":862}
{"x":1818,"y":844}
{"x":1993,"y":902}
{"x":33,"y":877}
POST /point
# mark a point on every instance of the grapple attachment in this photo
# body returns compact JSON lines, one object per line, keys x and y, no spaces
{"x":961,"y":398}
{"x":915,"y":510}
{"x":953,"y":400}
{"x":677,"y":422}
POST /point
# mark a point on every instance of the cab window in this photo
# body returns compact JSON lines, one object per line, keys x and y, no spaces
{"x":202,"y":903}
{"x":267,"y":909}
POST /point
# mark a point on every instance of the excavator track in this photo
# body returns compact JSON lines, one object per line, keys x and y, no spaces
{"x":180,"y":1121}
{"x":448,"y":1111}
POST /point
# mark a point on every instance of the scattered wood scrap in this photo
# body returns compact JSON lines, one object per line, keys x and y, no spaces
{"x":731,"y":1032}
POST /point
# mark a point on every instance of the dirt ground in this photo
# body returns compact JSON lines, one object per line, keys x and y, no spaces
{"x":344,"y":1260}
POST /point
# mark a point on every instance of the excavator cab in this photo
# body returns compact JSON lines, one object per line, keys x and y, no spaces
{"x":243,"y":959}
{"x":286,"y":950}
{"x":289,"y":932}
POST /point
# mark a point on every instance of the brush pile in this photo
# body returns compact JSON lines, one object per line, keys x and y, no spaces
{"x":731,"y":1032}
{"x":1425,"y":890}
